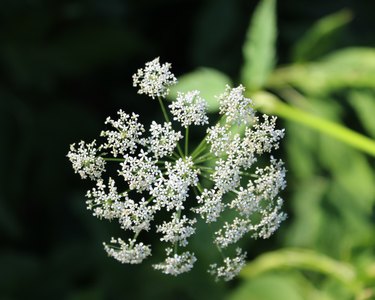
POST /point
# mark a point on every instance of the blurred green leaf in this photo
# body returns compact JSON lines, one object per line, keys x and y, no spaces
{"x":301,"y":259}
{"x":259,"y":48}
{"x":320,"y":38}
{"x":348,"y":68}
{"x":355,"y":174}
{"x":209,"y":82}
{"x":363,"y":103}
{"x":269,"y":287}
{"x":307,"y":207}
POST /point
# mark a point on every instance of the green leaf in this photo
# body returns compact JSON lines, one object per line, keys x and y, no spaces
{"x":259,"y":48}
{"x":283,"y":286}
{"x":321,"y":37}
{"x":208,"y":81}
{"x":307,"y":209}
{"x":301,"y":259}
{"x":347,"y":68}
{"x":364,"y":104}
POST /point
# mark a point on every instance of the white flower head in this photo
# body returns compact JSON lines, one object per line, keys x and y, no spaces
{"x":136,"y":216}
{"x":126,"y":136}
{"x":139,"y":172}
{"x":230,"y":268}
{"x":177,"y":264}
{"x":262,"y":136}
{"x":85,"y":160}
{"x":235,"y":106}
{"x":232,"y":232}
{"x":156,"y":175}
{"x":106,"y":205}
{"x":127,"y":253}
{"x":211,"y":205}
{"x":189,"y":108}
{"x":163,"y":139}
{"x":177,"y":230}
{"x":172,"y":190}
{"x":154,"y":79}
{"x":227,"y":175}
{"x":219,"y":138}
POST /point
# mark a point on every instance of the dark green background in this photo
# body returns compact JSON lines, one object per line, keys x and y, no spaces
{"x":65,"y":66}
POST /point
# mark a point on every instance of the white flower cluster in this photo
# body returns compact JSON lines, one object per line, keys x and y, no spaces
{"x":154,"y":79}
{"x":131,"y":253}
{"x":230,"y":268}
{"x":86,"y":161}
{"x":176,"y":264}
{"x":237,"y":108}
{"x":155,"y":177}
{"x":189,"y":109}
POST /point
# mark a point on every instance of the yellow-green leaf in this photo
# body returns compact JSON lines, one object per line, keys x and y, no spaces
{"x":259,"y":48}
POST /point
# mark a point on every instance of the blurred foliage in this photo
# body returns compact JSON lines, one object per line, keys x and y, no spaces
{"x":66,"y":65}
{"x":331,"y":184}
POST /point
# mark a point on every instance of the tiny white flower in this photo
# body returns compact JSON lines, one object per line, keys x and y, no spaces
{"x":235,"y":106}
{"x":107,"y":205}
{"x":127,"y":253}
{"x":246,"y":202}
{"x":85,"y":160}
{"x":136,"y":216}
{"x":262,"y":136}
{"x":271,"y":219}
{"x":227,"y":175}
{"x":163,"y":139}
{"x":139,"y":172}
{"x":172,"y":190}
{"x":230,"y":268}
{"x":232,"y":232}
{"x":177,"y":230}
{"x":219,"y":138}
{"x":212,"y":205}
{"x":177,"y":264}
{"x":154,"y":79}
{"x":126,"y":136}
{"x":189,"y":108}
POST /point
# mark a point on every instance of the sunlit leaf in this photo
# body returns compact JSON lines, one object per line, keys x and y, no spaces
{"x":348,"y":68}
{"x":259,"y":48}
{"x":364,"y":104}
{"x":209,"y":82}
{"x":307,"y":207}
{"x":355,"y":174}
{"x":300,"y":259}
{"x":283,"y":287}
{"x":321,"y":37}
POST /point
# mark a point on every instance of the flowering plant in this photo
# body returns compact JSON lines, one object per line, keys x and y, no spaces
{"x":158,"y":173}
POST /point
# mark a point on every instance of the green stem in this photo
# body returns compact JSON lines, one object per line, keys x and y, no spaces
{"x":200,"y":188}
{"x":176,"y":243}
{"x":180,"y":150}
{"x":168,"y":121}
{"x":113,"y":159}
{"x":205,"y":157}
{"x":199,"y":149}
{"x":163,"y":109}
{"x":270,"y":104}
{"x":187,"y":141}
